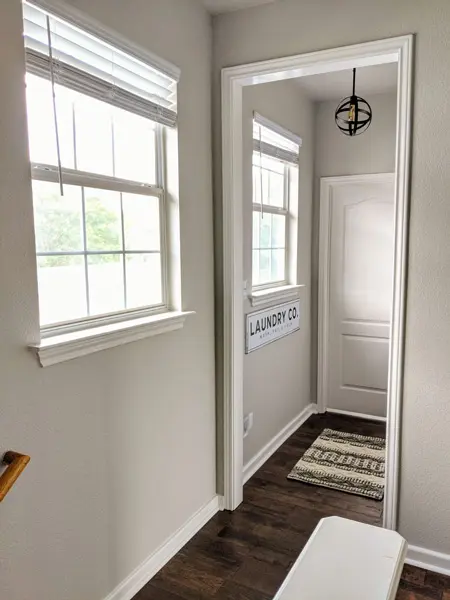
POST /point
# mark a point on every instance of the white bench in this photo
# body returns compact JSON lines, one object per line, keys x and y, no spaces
{"x":346,"y":560}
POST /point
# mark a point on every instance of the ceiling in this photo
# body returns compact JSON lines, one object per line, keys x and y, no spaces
{"x":220,"y":6}
{"x":379,"y":79}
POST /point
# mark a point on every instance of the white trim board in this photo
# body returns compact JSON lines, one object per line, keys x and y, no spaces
{"x":234,"y":79}
{"x":274,"y":295}
{"x":349,"y":413}
{"x":265,"y":453}
{"x":428,"y":559}
{"x":66,"y":346}
{"x":131,"y":585}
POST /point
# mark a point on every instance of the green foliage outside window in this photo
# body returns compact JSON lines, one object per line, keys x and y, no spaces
{"x":59,"y":229}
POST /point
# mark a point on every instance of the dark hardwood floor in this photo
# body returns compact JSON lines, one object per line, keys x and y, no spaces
{"x":246,"y":555}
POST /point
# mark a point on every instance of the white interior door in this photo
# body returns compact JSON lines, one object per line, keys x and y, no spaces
{"x":357,"y":260}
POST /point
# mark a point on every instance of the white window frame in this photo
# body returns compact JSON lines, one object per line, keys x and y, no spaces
{"x":75,"y":177}
{"x":275,"y":210}
{"x":65,"y":341}
{"x":288,"y":287}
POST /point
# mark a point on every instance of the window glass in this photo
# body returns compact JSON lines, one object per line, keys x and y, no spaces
{"x":103,"y":220}
{"x":278,"y":231}
{"x":272,"y":176}
{"x":58,"y":220}
{"x":106,"y":283}
{"x":134,"y":147}
{"x":143,"y":273}
{"x":118,"y":277}
{"x":62,"y":288}
{"x":94,"y":136}
{"x":269,"y":248}
{"x":41,"y":122}
{"x":277,"y":264}
{"x":141,"y":222}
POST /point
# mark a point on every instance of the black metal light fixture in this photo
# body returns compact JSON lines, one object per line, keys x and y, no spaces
{"x":354,"y":114}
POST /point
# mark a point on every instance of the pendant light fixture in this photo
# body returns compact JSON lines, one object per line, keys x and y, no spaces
{"x":354,"y":114}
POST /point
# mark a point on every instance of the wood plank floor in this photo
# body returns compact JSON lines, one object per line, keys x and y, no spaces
{"x":246,"y":555}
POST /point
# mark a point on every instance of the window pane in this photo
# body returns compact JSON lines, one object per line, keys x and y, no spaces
{"x":41,"y":128}
{"x":268,"y":163}
{"x":143,"y":272}
{"x":278,"y":231}
{"x":62,"y":288}
{"x":64,"y":111}
{"x":134,"y":147}
{"x":256,"y":186}
{"x":265,"y":230}
{"x":264,"y":266}
{"x":272,"y":182}
{"x":141,"y":222}
{"x":276,"y":190}
{"x":106,"y":288}
{"x":256,"y":222}
{"x":57,"y":219}
{"x":265,"y":186}
{"x":277,"y":265}
{"x":41,"y":123}
{"x":103,"y":220}
{"x":260,"y":176}
{"x":93,"y":131}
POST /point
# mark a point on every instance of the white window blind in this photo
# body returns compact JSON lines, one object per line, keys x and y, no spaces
{"x":272,"y":140}
{"x":87,"y":64}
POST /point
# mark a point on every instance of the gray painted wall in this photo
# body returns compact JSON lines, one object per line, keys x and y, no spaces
{"x":123,"y":441}
{"x":290,"y":27}
{"x":336,"y":155}
{"x":277,"y":376}
{"x":371,"y":152}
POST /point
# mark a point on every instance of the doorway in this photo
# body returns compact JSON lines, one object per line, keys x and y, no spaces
{"x":234,"y":79}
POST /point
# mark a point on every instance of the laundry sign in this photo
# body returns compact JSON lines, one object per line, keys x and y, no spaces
{"x":270,"y":324}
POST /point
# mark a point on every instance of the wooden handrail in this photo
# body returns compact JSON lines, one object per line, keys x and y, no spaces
{"x":16,"y":464}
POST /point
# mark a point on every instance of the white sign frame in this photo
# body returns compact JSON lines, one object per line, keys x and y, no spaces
{"x":287,"y":317}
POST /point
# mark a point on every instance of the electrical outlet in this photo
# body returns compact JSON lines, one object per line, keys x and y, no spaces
{"x":248,"y":423}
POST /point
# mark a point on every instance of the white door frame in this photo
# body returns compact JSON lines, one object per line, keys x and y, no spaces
{"x":234,"y":79}
{"x":327,"y":184}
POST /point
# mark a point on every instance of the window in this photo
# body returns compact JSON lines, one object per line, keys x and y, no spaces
{"x":97,"y":119}
{"x":275,"y":164}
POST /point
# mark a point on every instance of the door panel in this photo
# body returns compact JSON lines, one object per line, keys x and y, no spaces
{"x":361,"y":228}
{"x":365,"y":362}
{"x":367,"y":238}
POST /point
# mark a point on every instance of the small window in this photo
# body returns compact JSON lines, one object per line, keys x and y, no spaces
{"x":96,"y":120}
{"x":275,"y":163}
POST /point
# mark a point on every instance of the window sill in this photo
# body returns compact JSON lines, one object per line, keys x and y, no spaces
{"x":59,"y":348}
{"x":277,"y":294}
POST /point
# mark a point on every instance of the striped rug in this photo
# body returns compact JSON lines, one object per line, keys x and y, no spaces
{"x":344,"y":461}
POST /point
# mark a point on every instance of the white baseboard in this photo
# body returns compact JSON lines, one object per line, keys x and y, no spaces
{"x":130,"y":586}
{"x":257,"y":461}
{"x":428,"y":559}
{"x":349,"y":413}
